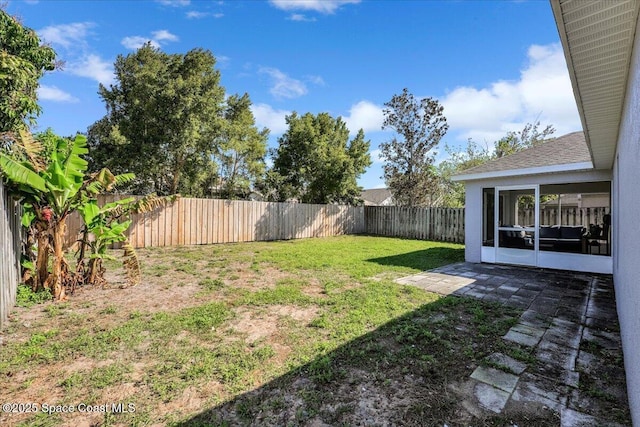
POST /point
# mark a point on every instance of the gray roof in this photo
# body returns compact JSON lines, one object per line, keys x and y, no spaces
{"x":375,"y":196}
{"x":566,"y":149}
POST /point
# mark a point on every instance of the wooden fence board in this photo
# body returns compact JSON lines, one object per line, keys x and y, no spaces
{"x":443,"y":224}
{"x":209,"y":221}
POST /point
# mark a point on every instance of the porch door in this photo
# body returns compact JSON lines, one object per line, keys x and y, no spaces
{"x":516,"y":214}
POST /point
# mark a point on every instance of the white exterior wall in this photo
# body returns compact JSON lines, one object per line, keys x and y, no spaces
{"x":473,"y":201}
{"x":473,"y":221}
{"x":626,"y":229}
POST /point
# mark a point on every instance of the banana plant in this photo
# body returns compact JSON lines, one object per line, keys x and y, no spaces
{"x":102,"y":229}
{"x":106,"y":225}
{"x":52,"y":183}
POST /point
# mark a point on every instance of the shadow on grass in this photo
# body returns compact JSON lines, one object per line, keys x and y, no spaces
{"x":409,"y":371}
{"x":424,"y":259}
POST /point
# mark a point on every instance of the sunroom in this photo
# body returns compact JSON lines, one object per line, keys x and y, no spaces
{"x":544,"y":207}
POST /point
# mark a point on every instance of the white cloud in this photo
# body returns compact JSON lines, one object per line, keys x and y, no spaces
{"x":194,"y":14}
{"x":222,"y":61}
{"x":164,"y":35}
{"x":542,"y":93}
{"x":267,"y":116}
{"x":175,"y":3}
{"x":157,"y":39}
{"x":93,"y":67}
{"x":300,"y":18}
{"x":316,"y":80}
{"x":283,"y":86}
{"x":376,"y":156}
{"x":66,"y":35}
{"x":322,"y":6}
{"x":52,"y":93}
{"x":136,"y":42}
{"x":364,"y":115}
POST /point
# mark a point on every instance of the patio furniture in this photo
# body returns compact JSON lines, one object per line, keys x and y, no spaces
{"x":562,"y":238}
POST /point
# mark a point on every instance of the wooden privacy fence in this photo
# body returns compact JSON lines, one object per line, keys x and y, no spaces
{"x":10,"y":244}
{"x":206,"y":221}
{"x":443,"y":224}
{"x":568,"y":216}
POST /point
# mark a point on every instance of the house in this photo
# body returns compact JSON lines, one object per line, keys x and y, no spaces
{"x":601,"y":42}
{"x":377,"y":197}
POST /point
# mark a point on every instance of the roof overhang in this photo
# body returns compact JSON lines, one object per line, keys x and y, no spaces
{"x":598,"y":37}
{"x":569,"y":167}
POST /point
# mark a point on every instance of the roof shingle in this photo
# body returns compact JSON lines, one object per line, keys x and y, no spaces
{"x":566,"y":149}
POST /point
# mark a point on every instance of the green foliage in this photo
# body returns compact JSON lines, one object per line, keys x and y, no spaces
{"x":240,"y":150}
{"x":316,"y":163}
{"x":27,"y":297}
{"x":452,"y":193}
{"x":58,"y":185}
{"x":163,"y":117}
{"x":528,"y":137}
{"x":23,"y":60}
{"x":408,"y":170}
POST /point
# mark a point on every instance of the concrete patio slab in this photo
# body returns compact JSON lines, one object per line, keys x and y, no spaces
{"x":509,"y":363}
{"x":496,"y":378}
{"x":490,"y":397}
{"x":568,"y":323}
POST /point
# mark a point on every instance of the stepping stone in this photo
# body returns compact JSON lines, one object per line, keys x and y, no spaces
{"x":496,"y":378}
{"x":528,"y":330}
{"x":510,"y":363}
{"x":491,"y":398}
{"x":520,"y":338}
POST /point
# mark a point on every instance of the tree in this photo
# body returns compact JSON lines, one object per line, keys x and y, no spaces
{"x":163,"y":115}
{"x":474,"y":155}
{"x":240,"y":150}
{"x":408,"y":169}
{"x":23,"y":60}
{"x":529,"y":136}
{"x":452,"y":193}
{"x":316,"y":163}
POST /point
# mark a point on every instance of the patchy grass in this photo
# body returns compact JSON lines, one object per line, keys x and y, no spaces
{"x":275,"y":333}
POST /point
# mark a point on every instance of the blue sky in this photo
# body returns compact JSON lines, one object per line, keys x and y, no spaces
{"x":494,"y":65}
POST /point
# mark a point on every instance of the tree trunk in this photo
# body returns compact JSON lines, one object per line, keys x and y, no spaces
{"x":57,"y":285}
{"x":42,"y":261}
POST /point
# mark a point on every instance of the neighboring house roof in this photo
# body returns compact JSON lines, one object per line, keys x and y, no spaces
{"x":597,"y":37}
{"x":376,"y":196}
{"x":565,"y":153}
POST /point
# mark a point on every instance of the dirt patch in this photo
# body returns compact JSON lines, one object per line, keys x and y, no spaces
{"x":260,"y":325}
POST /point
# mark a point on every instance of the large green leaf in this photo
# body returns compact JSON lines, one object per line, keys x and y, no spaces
{"x":20,"y":173}
{"x":75,"y":166}
{"x":89,"y":211}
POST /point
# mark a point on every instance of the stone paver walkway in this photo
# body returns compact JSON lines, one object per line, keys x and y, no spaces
{"x":562,"y":310}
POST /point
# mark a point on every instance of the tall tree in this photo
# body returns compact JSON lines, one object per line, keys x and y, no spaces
{"x":408,"y":169}
{"x":240,"y":150}
{"x":23,"y":60}
{"x":317,"y":163}
{"x":162,"y":117}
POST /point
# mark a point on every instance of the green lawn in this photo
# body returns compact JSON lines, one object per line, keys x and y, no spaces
{"x":275,"y":333}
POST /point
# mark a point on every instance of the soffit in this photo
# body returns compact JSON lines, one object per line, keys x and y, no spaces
{"x":597,"y":37}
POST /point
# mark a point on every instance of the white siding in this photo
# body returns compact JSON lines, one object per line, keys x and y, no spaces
{"x":626,"y":228}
